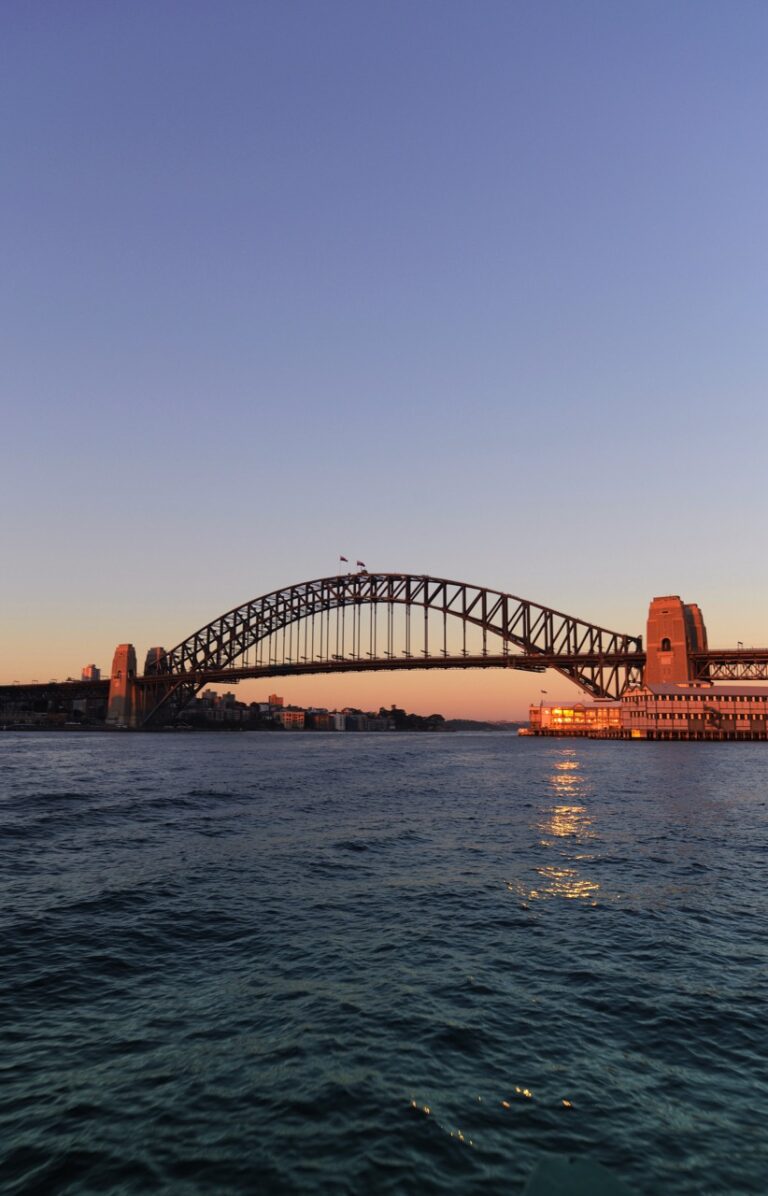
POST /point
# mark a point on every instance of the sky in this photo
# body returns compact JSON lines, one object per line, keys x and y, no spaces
{"x":472,"y":290}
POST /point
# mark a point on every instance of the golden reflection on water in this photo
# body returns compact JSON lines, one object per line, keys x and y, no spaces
{"x":567,"y":820}
{"x":567,"y":777}
{"x":563,"y":882}
{"x":569,"y":817}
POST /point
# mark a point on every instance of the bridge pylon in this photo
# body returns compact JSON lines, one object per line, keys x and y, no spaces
{"x":121,"y":704}
{"x":674,"y":635}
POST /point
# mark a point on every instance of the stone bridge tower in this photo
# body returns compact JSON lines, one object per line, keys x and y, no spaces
{"x":120,"y":705}
{"x":674,"y":631}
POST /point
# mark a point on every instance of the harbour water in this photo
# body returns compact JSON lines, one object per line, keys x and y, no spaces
{"x":380,"y":963}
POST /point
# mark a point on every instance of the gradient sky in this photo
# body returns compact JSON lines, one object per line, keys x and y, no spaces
{"x":476,"y":290}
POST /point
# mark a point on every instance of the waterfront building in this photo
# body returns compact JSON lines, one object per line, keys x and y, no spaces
{"x":686,"y":710}
{"x":695,"y":711}
{"x":599,"y":721}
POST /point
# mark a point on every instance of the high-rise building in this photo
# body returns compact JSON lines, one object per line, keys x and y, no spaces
{"x":91,"y":673}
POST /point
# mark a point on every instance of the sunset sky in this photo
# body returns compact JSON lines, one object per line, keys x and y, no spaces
{"x":474,"y":290}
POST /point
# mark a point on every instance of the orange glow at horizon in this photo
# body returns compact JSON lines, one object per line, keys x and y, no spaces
{"x":483,"y":694}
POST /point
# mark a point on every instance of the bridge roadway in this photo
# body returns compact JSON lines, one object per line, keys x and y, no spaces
{"x":533,"y":663}
{"x":54,"y":691}
{"x":717,"y":664}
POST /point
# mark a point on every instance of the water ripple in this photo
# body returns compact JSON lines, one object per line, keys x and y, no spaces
{"x":390,"y":964}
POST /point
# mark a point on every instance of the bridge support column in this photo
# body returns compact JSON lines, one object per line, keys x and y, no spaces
{"x":122,"y":686}
{"x":674,"y":631}
{"x":148,"y":693}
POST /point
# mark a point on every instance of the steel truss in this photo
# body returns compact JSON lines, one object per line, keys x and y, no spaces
{"x":334,"y":624}
{"x":738,"y":664}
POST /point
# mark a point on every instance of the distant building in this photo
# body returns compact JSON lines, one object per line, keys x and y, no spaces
{"x":319,"y":720}
{"x":276,"y":701}
{"x":211,"y":707}
{"x":91,"y":673}
{"x":292,"y":720}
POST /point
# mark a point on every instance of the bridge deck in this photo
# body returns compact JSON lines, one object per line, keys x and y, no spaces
{"x":538,"y":663}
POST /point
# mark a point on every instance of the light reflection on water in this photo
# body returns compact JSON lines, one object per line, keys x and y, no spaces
{"x":563,"y":882}
{"x":568,"y":821}
{"x":566,"y":827}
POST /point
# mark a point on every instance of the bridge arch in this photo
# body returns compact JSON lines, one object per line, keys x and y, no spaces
{"x":525,"y":634}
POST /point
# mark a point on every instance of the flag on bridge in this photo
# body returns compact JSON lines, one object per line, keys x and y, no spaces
{"x":360,"y":564}
{"x":344,"y":558}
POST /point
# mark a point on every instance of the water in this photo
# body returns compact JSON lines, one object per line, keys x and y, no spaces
{"x":380,"y":963}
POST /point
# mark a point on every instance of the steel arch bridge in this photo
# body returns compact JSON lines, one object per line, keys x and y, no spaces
{"x":375,"y":621}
